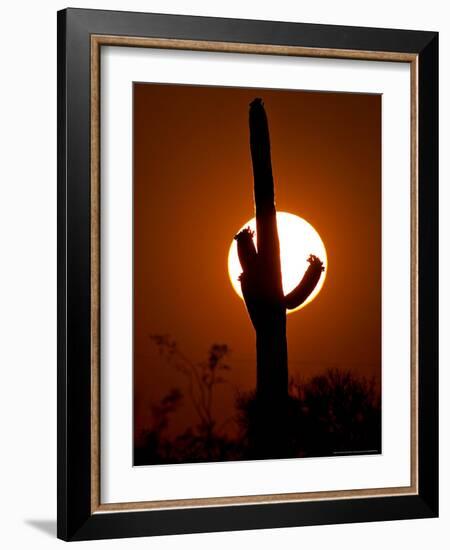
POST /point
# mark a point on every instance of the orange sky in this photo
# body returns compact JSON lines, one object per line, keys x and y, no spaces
{"x":193,"y":191}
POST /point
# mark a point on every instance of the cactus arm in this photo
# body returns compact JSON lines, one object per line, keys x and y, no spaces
{"x":249,"y":278}
{"x":251,"y":296}
{"x":306,"y":285}
{"x":266,"y":224}
{"x":246,"y":249}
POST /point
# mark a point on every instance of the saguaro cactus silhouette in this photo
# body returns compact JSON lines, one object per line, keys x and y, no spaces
{"x":261,"y":278}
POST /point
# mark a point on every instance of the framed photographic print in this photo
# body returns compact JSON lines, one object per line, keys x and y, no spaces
{"x":247,"y":267}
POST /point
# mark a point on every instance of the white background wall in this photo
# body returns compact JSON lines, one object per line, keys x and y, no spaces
{"x":28,"y":271}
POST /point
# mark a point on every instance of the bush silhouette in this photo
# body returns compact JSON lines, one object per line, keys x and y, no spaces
{"x":206,"y":440}
{"x":333,"y":413}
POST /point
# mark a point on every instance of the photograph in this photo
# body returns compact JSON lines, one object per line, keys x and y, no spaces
{"x":256,"y":273}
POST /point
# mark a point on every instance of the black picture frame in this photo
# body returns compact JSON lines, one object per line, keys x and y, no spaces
{"x":76,"y":520}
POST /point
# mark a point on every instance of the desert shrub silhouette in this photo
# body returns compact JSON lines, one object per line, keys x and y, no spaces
{"x":206,"y":440}
{"x":332,"y":413}
{"x":336,"y":412}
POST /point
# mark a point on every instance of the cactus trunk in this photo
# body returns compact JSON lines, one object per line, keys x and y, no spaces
{"x":270,"y":321}
{"x":261,"y":283}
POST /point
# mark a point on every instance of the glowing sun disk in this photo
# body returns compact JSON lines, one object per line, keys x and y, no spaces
{"x":298,"y":239}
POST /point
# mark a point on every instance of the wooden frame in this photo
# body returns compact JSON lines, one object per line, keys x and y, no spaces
{"x":81,"y":34}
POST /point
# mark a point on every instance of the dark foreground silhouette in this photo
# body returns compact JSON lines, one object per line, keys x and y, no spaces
{"x":334,"y":413}
{"x":261,"y":283}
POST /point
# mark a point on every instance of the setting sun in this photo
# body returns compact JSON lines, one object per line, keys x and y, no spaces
{"x":298,"y":239}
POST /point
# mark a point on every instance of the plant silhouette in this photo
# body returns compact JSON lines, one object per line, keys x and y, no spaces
{"x":261,"y":283}
{"x":202,"y":378}
{"x":332,"y":413}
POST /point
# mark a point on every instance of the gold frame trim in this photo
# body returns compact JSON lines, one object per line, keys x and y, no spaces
{"x":97,"y":41}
